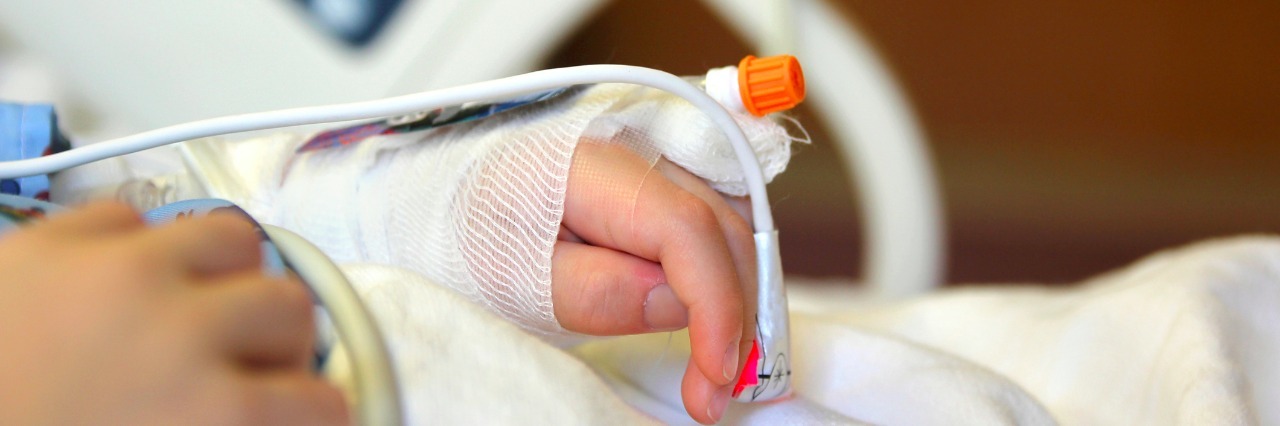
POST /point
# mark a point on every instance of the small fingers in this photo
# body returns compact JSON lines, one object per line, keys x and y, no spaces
{"x":692,"y":248}
{"x":732,"y":215}
{"x":616,"y":201}
{"x":705,"y":401}
{"x":603,"y":292}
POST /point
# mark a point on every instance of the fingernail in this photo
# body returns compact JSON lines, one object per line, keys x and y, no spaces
{"x":731,"y":360}
{"x":719,"y":402}
{"x":663,"y":311}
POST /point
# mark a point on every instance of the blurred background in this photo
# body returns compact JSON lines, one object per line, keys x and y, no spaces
{"x":1068,"y":137}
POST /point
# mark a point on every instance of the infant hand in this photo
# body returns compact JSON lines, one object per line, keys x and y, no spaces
{"x":105,"y":320}
{"x":645,"y":249}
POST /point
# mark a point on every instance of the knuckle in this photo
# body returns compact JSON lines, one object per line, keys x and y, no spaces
{"x":694,"y":213}
{"x":737,"y":228}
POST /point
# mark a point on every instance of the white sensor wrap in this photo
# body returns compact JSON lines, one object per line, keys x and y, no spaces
{"x":474,"y":206}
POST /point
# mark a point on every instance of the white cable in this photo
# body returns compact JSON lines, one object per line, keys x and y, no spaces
{"x":491,"y":90}
{"x":378,"y":396}
{"x":779,"y":31}
{"x":881,"y":141}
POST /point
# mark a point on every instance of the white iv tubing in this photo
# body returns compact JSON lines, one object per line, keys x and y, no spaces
{"x":492,"y":90}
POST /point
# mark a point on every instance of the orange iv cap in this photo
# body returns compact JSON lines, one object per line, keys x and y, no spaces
{"x":770,"y":84}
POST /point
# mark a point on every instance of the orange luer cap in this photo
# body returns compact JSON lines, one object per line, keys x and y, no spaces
{"x":770,"y":84}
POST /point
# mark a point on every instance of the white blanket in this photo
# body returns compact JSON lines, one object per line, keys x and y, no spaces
{"x":1187,"y":336}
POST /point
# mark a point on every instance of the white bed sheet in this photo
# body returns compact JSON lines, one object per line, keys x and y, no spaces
{"x":1186,"y":336}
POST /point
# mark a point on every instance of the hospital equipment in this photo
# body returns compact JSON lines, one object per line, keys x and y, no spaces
{"x":763,"y":85}
{"x":442,"y":43}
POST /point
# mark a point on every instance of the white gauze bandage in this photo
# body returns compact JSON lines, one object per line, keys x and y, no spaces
{"x":474,"y":206}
